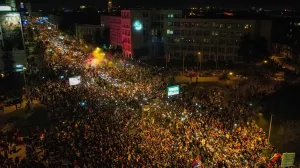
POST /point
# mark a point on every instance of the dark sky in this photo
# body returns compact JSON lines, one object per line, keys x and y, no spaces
{"x":168,"y":3}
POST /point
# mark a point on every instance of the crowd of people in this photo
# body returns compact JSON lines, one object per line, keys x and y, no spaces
{"x":101,"y":122}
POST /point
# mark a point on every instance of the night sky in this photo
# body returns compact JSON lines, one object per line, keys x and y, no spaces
{"x":167,"y":3}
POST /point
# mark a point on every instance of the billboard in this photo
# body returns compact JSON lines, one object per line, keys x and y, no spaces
{"x":11,"y":31}
{"x":173,"y":90}
{"x":75,"y":80}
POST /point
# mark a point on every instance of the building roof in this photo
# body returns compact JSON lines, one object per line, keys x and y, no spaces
{"x":229,"y":15}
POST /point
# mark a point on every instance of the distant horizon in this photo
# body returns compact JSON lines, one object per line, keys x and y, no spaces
{"x":50,"y":4}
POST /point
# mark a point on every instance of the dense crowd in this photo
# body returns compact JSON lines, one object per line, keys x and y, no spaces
{"x":101,"y":121}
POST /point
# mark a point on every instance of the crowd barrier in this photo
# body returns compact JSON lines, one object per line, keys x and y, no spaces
{"x":184,"y":79}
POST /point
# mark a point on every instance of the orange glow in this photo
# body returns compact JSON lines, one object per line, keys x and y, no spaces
{"x":228,"y":14}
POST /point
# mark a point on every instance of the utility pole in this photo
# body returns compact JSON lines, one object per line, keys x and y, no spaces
{"x":270,"y":127}
{"x":167,"y":56}
{"x":183,"y":58}
{"x":216,"y":56}
{"x":166,"y":62}
{"x":200,"y":59}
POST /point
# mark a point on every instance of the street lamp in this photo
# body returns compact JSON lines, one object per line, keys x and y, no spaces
{"x":265,"y":61}
{"x":270,"y":127}
{"x":25,"y":83}
{"x":200,"y":59}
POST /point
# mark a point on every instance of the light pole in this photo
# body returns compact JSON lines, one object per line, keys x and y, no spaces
{"x":200,"y":59}
{"x":270,"y":127}
{"x":25,"y":83}
{"x":183,"y":58}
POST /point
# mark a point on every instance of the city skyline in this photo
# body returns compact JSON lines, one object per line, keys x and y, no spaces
{"x":164,"y":4}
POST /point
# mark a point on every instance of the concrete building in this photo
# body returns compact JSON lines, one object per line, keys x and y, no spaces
{"x":153,"y":33}
{"x":28,"y":7}
{"x":212,"y":39}
{"x":11,"y":41}
{"x":115,"y":31}
{"x":113,"y":23}
{"x":88,"y":32}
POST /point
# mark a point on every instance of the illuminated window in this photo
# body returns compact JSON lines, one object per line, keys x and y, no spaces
{"x":215,"y":33}
{"x":170,"y":32}
{"x":170,"y":16}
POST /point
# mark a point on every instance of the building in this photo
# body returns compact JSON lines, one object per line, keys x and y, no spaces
{"x":89,"y":33}
{"x":115,"y":31}
{"x":109,"y":6}
{"x":286,"y":37}
{"x":153,"y":33}
{"x":11,"y":41}
{"x":211,"y":38}
{"x":138,"y":31}
{"x":55,"y":19}
{"x":12,"y":4}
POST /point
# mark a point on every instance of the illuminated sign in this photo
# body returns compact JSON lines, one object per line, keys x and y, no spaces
{"x":137,"y":25}
{"x":19,"y":66}
{"x":173,"y":90}
{"x":5,"y":8}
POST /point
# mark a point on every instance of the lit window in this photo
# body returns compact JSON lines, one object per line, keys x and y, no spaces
{"x":170,"y":32}
{"x":170,"y":15}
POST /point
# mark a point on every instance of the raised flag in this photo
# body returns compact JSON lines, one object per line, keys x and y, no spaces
{"x":197,"y":162}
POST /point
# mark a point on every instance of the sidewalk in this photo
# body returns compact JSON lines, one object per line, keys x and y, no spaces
{"x":9,"y":109}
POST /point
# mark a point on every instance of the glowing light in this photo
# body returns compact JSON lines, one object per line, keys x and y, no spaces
{"x":98,"y":57}
{"x":5,"y":8}
{"x":137,"y":25}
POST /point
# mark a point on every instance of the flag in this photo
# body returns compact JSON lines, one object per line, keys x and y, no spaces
{"x":197,"y":162}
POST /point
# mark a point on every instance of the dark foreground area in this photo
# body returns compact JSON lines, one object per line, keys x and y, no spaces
{"x":284,"y":106}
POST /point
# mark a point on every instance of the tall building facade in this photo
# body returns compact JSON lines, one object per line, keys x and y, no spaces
{"x":154,"y":33}
{"x":87,"y":32}
{"x":214,"y":39}
{"x":11,"y":41}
